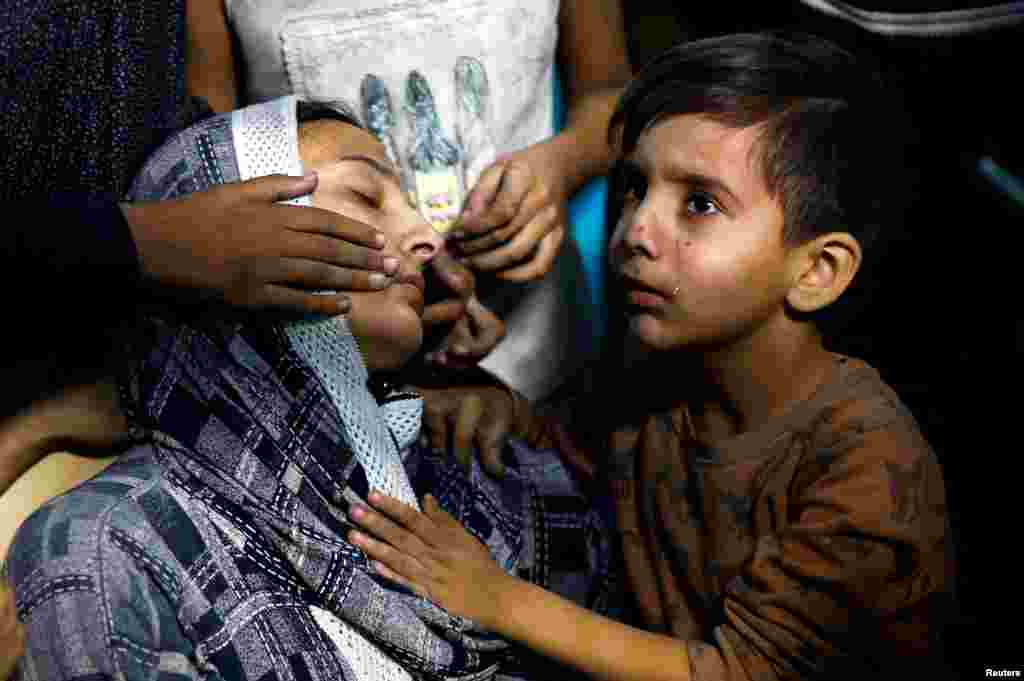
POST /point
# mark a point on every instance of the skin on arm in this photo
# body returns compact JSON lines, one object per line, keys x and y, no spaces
{"x":209,"y":58}
{"x":36,"y":445}
{"x":432,"y":554}
{"x":514,"y":219}
{"x":12,"y":634}
{"x":79,"y":417}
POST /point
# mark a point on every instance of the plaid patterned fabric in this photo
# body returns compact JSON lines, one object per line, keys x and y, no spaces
{"x":199,"y":553}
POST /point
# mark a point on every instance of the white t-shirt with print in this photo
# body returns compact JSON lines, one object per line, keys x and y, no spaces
{"x":326,"y":49}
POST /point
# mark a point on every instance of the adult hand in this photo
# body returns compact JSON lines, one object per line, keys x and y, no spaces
{"x":233,"y":243}
{"x":480,"y":415}
{"x":431,"y":554}
{"x":514,"y":219}
{"x":12,"y":634}
{"x":475,"y":330}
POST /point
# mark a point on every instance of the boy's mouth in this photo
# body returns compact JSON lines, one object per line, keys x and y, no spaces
{"x":641,"y":294}
{"x":634,"y":285}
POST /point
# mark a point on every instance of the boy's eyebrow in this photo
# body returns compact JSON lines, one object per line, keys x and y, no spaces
{"x":384,"y":169}
{"x":711,"y":183}
{"x":678,"y":174}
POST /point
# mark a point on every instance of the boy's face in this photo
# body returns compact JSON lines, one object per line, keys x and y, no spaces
{"x":358,"y":181}
{"x":699,"y":248}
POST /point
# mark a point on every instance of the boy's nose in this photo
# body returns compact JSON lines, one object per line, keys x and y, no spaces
{"x":636,"y":235}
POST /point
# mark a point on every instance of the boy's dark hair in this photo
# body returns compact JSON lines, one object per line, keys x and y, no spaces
{"x":825,"y":144}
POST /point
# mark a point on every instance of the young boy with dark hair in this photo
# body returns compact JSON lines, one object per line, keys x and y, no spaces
{"x":780,"y":514}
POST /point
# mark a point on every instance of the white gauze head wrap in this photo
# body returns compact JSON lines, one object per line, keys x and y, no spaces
{"x":265,"y":138}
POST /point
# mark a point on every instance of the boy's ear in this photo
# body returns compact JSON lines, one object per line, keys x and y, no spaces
{"x":822,"y":269}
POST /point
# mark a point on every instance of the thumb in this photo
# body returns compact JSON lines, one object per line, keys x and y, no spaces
{"x":276,"y":188}
{"x":486,"y":189}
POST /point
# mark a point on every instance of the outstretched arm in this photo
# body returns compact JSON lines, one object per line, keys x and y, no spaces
{"x":434,"y":556}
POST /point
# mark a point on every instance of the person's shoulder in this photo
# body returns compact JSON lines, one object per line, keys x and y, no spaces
{"x":857,"y":400}
{"x":858,"y":416}
{"x":67,"y":534}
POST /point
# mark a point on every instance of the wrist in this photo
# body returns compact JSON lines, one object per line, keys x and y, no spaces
{"x":506,"y":595}
{"x":570,"y":164}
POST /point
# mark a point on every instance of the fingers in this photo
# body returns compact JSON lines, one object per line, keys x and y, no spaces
{"x":436,"y":514}
{"x":289,"y":300}
{"x":444,"y":312}
{"x":547,"y":220}
{"x":323,"y":245}
{"x":387,"y":573}
{"x":467,"y":420}
{"x":315,"y":275}
{"x":472,"y":338}
{"x":276,"y":188}
{"x":396,"y":523}
{"x":414,"y":522}
{"x":401,"y":564}
{"x":458,"y":350}
{"x":493,"y":239}
{"x":540,"y":264}
{"x":455,"y":275}
{"x":435,"y":417}
{"x":492,"y":439}
{"x":497,"y":197}
{"x":488,"y":326}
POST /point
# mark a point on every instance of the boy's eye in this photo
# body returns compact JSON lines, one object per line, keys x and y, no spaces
{"x":701,"y":204}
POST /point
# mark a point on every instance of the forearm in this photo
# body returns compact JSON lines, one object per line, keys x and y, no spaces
{"x":210,"y":67}
{"x":582,"y":148}
{"x":601,"y":648}
{"x":21,"y":446}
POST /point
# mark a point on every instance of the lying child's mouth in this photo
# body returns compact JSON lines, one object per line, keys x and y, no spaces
{"x":413,"y":279}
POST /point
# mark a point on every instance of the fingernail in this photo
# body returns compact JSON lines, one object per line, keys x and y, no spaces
{"x":310,"y":175}
{"x":390,"y":264}
{"x":355,"y":537}
{"x":378,"y":280}
{"x":374,"y":495}
{"x":380,"y":239}
{"x":357,"y":511}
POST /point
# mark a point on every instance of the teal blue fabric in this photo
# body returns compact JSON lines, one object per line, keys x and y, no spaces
{"x":588,"y":228}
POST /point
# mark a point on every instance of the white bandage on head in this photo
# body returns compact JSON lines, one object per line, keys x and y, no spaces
{"x":265,"y":137}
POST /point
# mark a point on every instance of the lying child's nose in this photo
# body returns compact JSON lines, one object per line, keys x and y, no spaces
{"x":423,"y":242}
